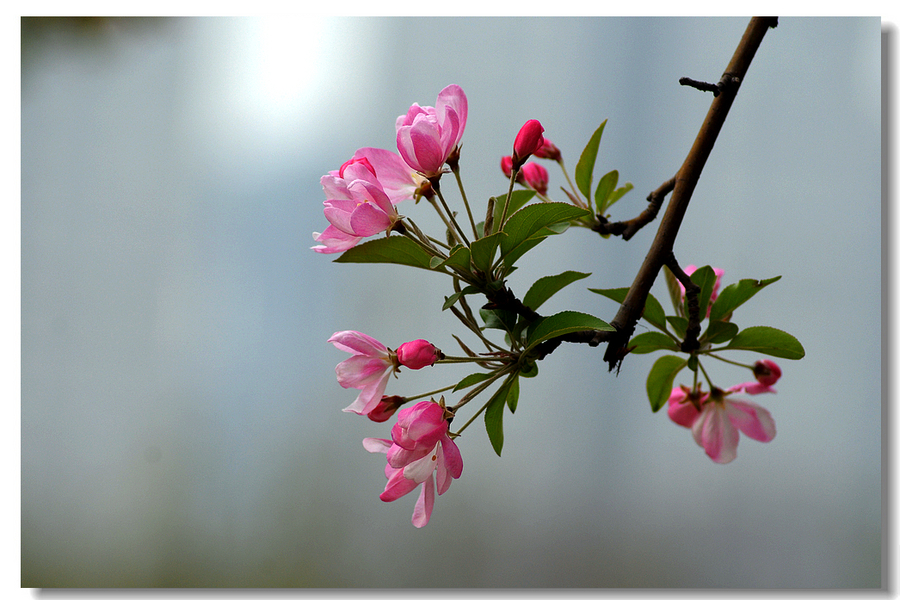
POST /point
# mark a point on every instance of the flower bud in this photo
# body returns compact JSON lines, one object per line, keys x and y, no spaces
{"x":536,"y":177}
{"x":548,"y":150}
{"x":766,"y":372}
{"x":386,"y":408}
{"x":361,"y":160}
{"x":528,"y":140}
{"x":418,"y":354}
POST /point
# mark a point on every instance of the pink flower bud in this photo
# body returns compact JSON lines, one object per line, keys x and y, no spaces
{"x":536,"y":177}
{"x":766,"y":372}
{"x":386,"y":408}
{"x":361,"y":160}
{"x":528,"y":140}
{"x":418,"y":354}
{"x":506,"y":166}
{"x":548,"y":150}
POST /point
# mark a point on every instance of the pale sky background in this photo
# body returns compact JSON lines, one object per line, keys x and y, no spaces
{"x":180,"y":420}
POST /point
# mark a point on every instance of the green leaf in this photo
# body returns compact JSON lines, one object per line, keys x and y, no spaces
{"x":617,"y":195}
{"x":718,"y":332}
{"x":493,"y":414}
{"x":767,"y":340}
{"x":679,"y":325}
{"x":512,"y":394}
{"x":736,"y":294}
{"x":606,"y":187}
{"x":659,"y":381}
{"x":451,"y":300}
{"x":653,"y":310}
{"x":395,"y":249}
{"x":529,"y":226}
{"x":459,"y":258}
{"x":470,"y":380}
{"x":584,"y":170}
{"x":498,"y":318}
{"x":651,"y":341}
{"x":705,"y":278}
{"x":562,"y":323}
{"x":544,"y":288}
{"x":483,"y":250}
{"x":518,"y":199}
{"x":676,"y":295}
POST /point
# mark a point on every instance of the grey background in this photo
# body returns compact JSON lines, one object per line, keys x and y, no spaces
{"x":181,"y":423}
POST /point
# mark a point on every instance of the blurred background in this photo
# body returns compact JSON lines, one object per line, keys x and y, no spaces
{"x":181,"y":423}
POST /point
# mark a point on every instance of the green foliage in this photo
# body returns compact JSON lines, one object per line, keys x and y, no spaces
{"x":530,"y":225}
{"x":768,"y":340}
{"x":584,"y":170}
{"x":662,"y":375}
{"x":544,"y":288}
{"x":651,"y":341}
{"x":606,"y":187}
{"x":394,"y":249}
{"x":562,"y":323}
{"x":736,"y":294}
{"x":507,"y":395}
{"x":653,"y":310}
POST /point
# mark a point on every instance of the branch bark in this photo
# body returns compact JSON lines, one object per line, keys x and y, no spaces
{"x":685,"y":181}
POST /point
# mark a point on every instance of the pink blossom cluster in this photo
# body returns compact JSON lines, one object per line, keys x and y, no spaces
{"x":361,"y":196}
{"x":715,"y":417}
{"x":420,"y":454}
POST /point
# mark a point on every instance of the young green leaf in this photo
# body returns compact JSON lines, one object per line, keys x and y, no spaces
{"x":518,"y":199}
{"x":584,"y":170}
{"x":469,"y":380}
{"x":767,"y":340}
{"x":606,"y":187}
{"x":562,"y":323}
{"x":395,"y":249}
{"x":705,"y":278}
{"x":651,"y":341}
{"x":530,"y":225}
{"x":617,"y":195}
{"x":483,"y":250}
{"x":498,"y":318}
{"x":544,"y":288}
{"x":659,"y":381}
{"x":493,"y":414}
{"x":736,"y":294}
{"x":676,"y":294}
{"x":718,"y":332}
{"x":679,"y":326}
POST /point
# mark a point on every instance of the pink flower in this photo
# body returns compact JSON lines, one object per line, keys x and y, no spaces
{"x":357,"y":206}
{"x":767,"y":374}
{"x":536,"y":177}
{"x":506,"y":167}
{"x":528,"y":140}
{"x":419,"y":451}
{"x":399,"y":181}
{"x":427,"y":135}
{"x":548,"y":150}
{"x":367,"y":370}
{"x":418,"y":354}
{"x":715,"y":425}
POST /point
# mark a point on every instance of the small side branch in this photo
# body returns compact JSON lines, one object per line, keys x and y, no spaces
{"x":691,"y":295}
{"x":627,"y":229}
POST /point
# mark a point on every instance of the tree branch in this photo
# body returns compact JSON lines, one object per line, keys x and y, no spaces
{"x":685,"y":181}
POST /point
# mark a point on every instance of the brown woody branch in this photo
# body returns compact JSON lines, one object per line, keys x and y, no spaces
{"x":685,"y":181}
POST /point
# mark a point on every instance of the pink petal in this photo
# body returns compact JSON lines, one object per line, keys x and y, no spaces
{"x":355,"y":342}
{"x":368,"y":220}
{"x":334,"y":240}
{"x":424,"y":505}
{"x":680,"y":410}
{"x":753,"y":420}
{"x":452,"y":459}
{"x":421,"y":469}
{"x":369,"y":397}
{"x":376,"y":445}
{"x":716,"y":434}
{"x":361,"y":371}
{"x":397,"y":487}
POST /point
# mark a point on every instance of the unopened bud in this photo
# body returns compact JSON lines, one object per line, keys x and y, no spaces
{"x":418,"y":354}
{"x":385,"y":409}
{"x":528,"y":140}
{"x":548,"y":150}
{"x":536,"y":177}
{"x":766,"y":372}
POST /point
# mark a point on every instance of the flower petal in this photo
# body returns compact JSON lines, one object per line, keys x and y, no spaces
{"x":716,"y":434}
{"x":753,"y":420}
{"x":355,"y":342}
{"x":424,"y":505}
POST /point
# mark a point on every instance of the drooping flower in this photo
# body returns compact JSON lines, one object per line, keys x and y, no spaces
{"x":420,"y":453}
{"x":367,"y":370}
{"x":529,"y":139}
{"x":426,"y":136}
{"x":399,"y":181}
{"x":715,"y":420}
{"x":418,"y":354}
